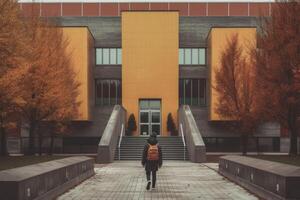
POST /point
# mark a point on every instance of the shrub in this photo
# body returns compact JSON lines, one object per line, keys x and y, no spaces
{"x":131,"y":124}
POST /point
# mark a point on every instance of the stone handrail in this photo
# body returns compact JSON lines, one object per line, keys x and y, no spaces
{"x":109,"y":139}
{"x":193,"y":138}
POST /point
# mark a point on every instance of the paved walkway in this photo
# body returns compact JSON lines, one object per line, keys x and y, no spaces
{"x":176,"y":180}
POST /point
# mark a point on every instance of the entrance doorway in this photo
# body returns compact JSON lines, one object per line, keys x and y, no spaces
{"x":150,"y":116}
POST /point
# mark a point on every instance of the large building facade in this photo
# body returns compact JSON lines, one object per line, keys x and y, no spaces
{"x":151,"y":58}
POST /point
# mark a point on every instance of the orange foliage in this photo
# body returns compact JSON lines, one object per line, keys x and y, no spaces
{"x":235,"y":86}
{"x":278,"y":67}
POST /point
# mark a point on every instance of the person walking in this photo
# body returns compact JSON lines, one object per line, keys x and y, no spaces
{"x":152,"y":159}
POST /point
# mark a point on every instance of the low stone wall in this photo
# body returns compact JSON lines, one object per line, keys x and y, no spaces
{"x":268,"y":180}
{"x":45,"y":180}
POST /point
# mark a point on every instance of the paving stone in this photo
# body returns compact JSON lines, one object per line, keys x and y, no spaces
{"x":175,"y":180}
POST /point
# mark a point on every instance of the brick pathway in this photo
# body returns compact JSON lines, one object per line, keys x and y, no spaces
{"x":176,"y":180}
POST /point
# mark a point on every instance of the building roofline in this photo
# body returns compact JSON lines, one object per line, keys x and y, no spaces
{"x":146,"y":1}
{"x":63,"y":26}
{"x":209,"y":32}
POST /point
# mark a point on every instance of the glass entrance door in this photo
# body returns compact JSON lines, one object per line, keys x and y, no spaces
{"x":150,"y":117}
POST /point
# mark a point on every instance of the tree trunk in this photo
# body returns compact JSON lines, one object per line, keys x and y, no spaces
{"x":244,"y":142}
{"x":3,"y":142}
{"x":31,"y":139}
{"x":40,"y":143}
{"x":292,"y":122}
{"x":51,"y":143}
{"x":293,"y":141}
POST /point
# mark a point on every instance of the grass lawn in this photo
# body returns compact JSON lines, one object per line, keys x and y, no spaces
{"x":9,"y":162}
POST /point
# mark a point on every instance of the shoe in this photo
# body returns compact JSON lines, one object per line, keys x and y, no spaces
{"x":148,"y":185}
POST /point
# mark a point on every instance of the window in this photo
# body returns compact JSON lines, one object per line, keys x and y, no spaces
{"x":99,"y":56}
{"x":192,"y":56}
{"x":195,"y":57}
{"x":192,"y":92}
{"x":181,"y":56}
{"x":108,"y":56}
{"x":187,"y":56}
{"x":108,"y":92}
{"x":202,"y":57}
{"x":119,"y":56}
{"x":112,"y":56}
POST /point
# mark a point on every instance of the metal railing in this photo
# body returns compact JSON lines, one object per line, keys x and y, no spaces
{"x":120,"y":140}
{"x":183,"y":141}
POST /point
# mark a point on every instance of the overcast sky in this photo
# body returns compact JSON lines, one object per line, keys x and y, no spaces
{"x":146,"y":1}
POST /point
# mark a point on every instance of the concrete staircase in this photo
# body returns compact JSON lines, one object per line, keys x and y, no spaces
{"x":132,"y":148}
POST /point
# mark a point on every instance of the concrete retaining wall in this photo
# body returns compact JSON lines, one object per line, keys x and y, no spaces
{"x":269,"y":180}
{"x":45,"y":180}
{"x":109,"y":140}
{"x":193,"y":138}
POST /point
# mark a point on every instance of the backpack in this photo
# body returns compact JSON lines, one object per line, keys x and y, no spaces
{"x":153,"y":152}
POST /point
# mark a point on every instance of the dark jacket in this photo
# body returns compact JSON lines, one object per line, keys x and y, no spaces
{"x":151,"y":165}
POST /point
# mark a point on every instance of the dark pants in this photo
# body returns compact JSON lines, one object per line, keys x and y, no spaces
{"x":148,"y":173}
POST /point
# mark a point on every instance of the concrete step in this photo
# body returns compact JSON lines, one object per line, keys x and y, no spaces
{"x":132,"y":147}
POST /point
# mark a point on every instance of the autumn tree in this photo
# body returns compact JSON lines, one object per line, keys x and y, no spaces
{"x":47,"y":88}
{"x":278,"y":67}
{"x":11,"y":51}
{"x":235,"y":89}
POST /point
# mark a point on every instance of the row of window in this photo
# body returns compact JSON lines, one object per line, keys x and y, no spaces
{"x":108,"y":56}
{"x":192,"y":56}
{"x":187,"y":56}
{"x":192,"y":92}
{"x":108,"y":92}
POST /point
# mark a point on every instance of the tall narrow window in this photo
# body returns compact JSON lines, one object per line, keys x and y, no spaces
{"x":202,"y":92}
{"x":98,"y":92}
{"x":188,"y":56}
{"x":113,"y":56}
{"x":105,"y":92}
{"x":98,"y":56}
{"x":195,"y":59}
{"x":187,"y":91}
{"x":113,"y":92}
{"x":119,"y":92}
{"x":181,"y":56}
{"x":195,"y":92}
{"x":105,"y":56}
{"x":119,"y":56}
{"x":202,"y":57}
{"x":181,"y":91}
